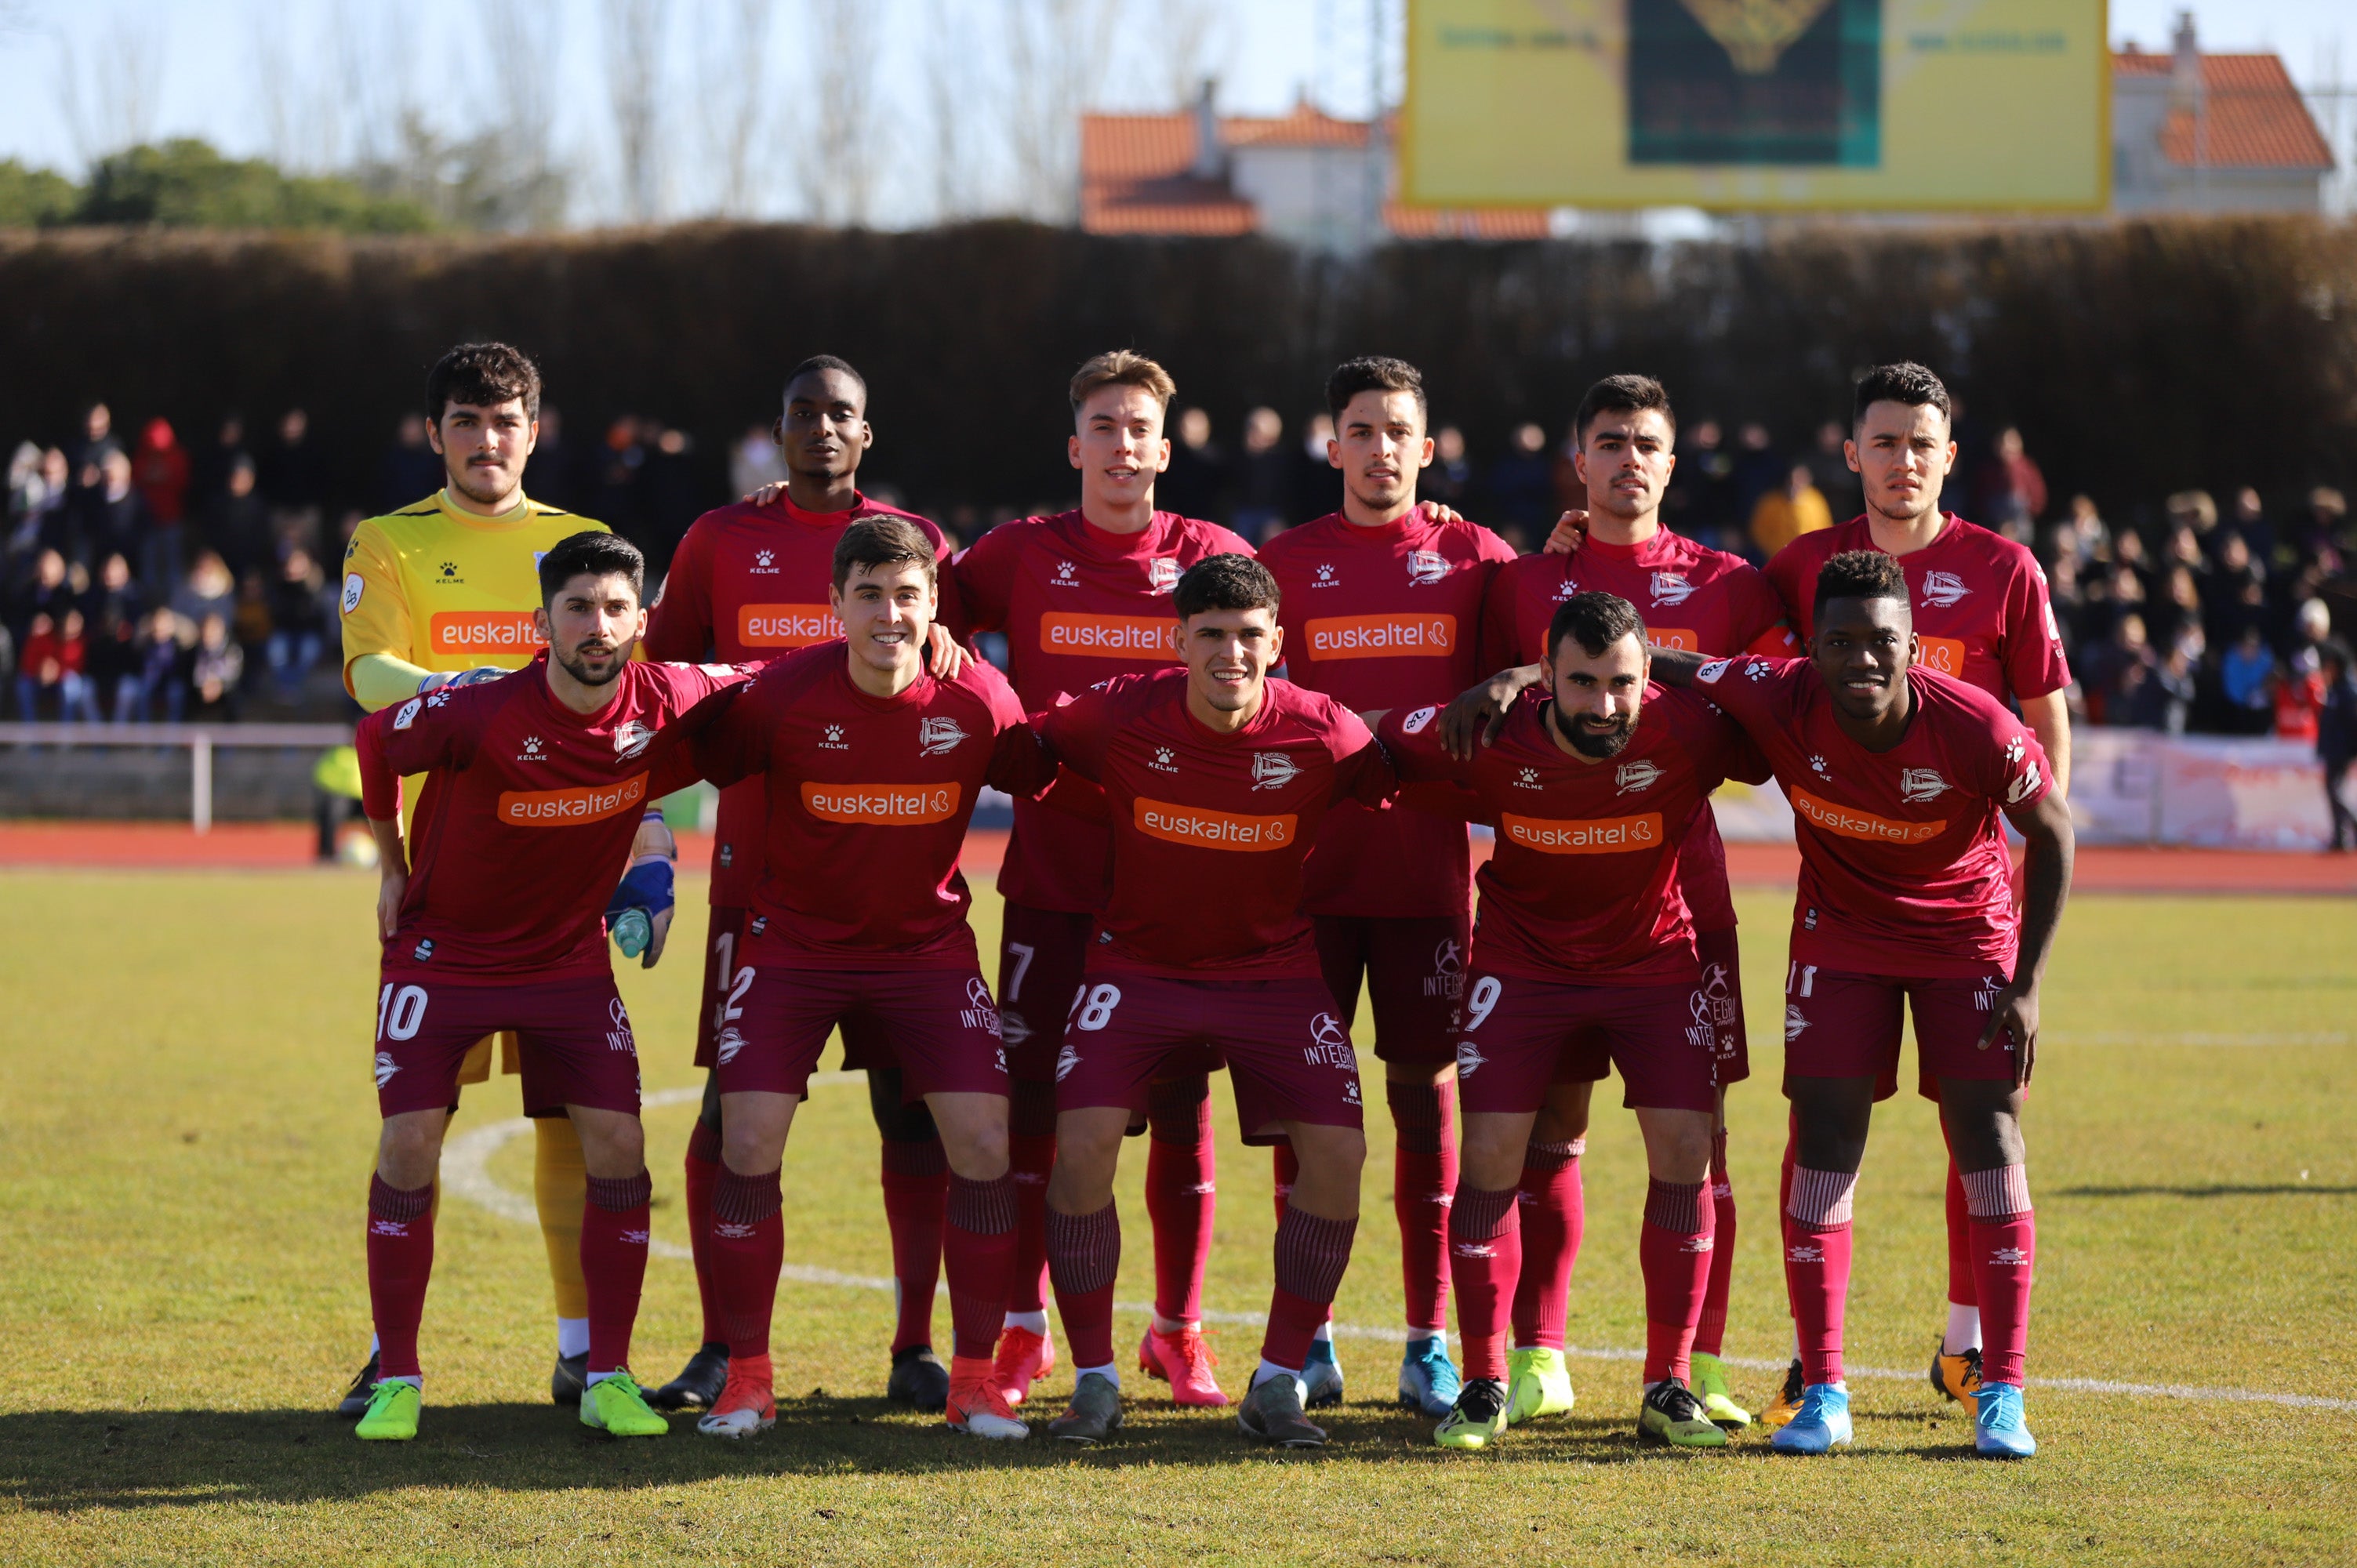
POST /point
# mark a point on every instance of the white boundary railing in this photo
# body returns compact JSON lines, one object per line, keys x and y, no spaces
{"x":199,"y":739}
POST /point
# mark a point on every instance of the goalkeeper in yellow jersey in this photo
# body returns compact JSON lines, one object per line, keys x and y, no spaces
{"x":442,"y":592}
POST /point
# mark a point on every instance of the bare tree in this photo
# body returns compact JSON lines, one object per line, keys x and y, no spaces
{"x":735,"y":100}
{"x":519,"y":152}
{"x":1190,"y":45}
{"x":111,"y":104}
{"x":1055,"y":56}
{"x":839,"y":183}
{"x":634,"y":50}
{"x":953,"y":96}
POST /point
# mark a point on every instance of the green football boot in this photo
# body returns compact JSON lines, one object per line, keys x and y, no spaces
{"x":391,"y":1413}
{"x":1710,"y":1387}
{"x":614,"y":1405}
{"x":1538,"y":1382}
{"x":1478,"y":1419}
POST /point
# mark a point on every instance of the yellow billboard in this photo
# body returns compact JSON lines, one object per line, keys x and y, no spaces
{"x":1890,"y":105}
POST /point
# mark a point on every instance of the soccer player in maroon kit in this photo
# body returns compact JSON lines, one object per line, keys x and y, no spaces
{"x":750,"y":580}
{"x":1897,"y":776}
{"x":1216,"y":780}
{"x":1382,"y":610}
{"x":870,"y":767}
{"x":1703,"y":600}
{"x":535,"y":787}
{"x":1594,"y":783}
{"x":1982,"y":615}
{"x":1083,"y":595}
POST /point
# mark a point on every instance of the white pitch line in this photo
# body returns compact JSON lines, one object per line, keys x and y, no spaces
{"x":466,"y":1173}
{"x":2198,"y":1037}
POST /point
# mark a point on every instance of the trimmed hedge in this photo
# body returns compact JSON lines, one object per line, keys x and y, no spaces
{"x":2138,"y":357}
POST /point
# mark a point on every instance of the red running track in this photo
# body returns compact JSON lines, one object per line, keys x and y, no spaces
{"x":282,"y":846}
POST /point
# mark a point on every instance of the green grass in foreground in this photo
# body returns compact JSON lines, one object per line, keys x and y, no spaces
{"x":183,"y":1164}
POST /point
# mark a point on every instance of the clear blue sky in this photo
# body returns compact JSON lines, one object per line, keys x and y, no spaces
{"x":209,"y":64}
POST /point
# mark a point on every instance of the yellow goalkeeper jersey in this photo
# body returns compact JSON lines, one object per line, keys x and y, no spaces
{"x":446,"y":590}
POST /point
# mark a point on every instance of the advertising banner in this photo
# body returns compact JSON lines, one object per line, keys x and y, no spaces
{"x":1890,"y":105}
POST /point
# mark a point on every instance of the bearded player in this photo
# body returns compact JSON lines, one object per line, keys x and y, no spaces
{"x":753,"y":580}
{"x":1899,"y":778}
{"x":445,"y":591}
{"x":1216,"y":781}
{"x":1382,"y":610}
{"x":1593,"y":784}
{"x":492,"y":921}
{"x":869,"y":765}
{"x":1692,"y":598}
{"x":1082,"y":596}
{"x":1982,"y":615}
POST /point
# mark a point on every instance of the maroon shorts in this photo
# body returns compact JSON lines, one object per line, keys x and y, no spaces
{"x":938,"y":1027}
{"x":1513,"y":1031}
{"x":1414,"y":969}
{"x":1847,"y":1026}
{"x":727,"y":976}
{"x":1040,"y":954}
{"x":573,"y":1038}
{"x":1285,"y":1047}
{"x":1721,"y":1004}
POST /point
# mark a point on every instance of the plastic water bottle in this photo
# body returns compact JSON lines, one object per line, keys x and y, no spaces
{"x":632,"y":931}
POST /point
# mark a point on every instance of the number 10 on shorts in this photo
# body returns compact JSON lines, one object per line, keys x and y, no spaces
{"x":399,"y":1014}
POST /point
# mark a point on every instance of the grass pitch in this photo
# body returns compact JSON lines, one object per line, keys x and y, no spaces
{"x":183,"y":1160}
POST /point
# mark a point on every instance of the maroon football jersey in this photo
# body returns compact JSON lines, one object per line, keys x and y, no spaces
{"x":1979,"y":599}
{"x":527,"y":814}
{"x":865,"y":806}
{"x":1077,"y":604}
{"x":1584,"y":887}
{"x":1210,"y":831}
{"x":750,"y":582}
{"x":1385,"y":617}
{"x":1903,"y":864}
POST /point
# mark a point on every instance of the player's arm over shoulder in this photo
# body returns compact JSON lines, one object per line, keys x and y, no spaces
{"x":1721,"y":747}
{"x":1411,"y":736}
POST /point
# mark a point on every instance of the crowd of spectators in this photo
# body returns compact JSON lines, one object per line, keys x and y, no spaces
{"x":140,"y":581}
{"x":145,"y":580}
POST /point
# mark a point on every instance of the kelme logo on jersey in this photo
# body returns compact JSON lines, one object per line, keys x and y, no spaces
{"x":1671,"y":588}
{"x":1274,"y":769}
{"x":1634,"y":776}
{"x":888,"y":805}
{"x":451,"y":632}
{"x":1941,"y":590}
{"x":937,"y":735}
{"x":1426,"y":567}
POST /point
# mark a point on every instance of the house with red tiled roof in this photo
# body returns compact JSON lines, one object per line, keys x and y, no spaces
{"x":1303,"y":176}
{"x":2212,"y":133}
